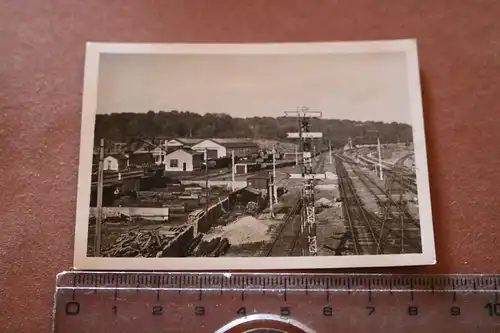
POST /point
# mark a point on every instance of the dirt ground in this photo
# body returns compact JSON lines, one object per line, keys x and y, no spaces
{"x":365,"y":195}
{"x":244,"y":230}
{"x":329,"y":219}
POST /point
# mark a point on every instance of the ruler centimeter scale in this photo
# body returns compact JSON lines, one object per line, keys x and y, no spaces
{"x":274,"y":302}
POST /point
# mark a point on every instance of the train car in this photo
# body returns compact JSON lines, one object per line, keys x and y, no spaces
{"x":219,"y":163}
{"x":259,"y":181}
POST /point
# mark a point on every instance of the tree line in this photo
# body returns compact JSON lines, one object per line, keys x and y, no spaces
{"x":123,"y":127}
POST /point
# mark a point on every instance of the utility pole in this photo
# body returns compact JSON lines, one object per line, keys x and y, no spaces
{"x":206,"y":171}
{"x":330,"y":150}
{"x":271,"y":208}
{"x":232,"y":170}
{"x":296,"y":156}
{"x":166,"y":152}
{"x":378,"y":170}
{"x":305,"y":136}
{"x":380,"y":158}
{"x":207,"y":190}
{"x":98,"y":220}
{"x":275,"y":190}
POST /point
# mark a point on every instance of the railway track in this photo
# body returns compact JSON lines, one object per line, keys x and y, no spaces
{"x":287,"y":240}
{"x":318,"y":167}
{"x":363,"y":237}
{"x":398,"y":174}
{"x":406,"y":181}
{"x":403,"y":229}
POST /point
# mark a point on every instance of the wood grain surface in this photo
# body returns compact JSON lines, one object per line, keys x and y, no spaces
{"x":41,"y":72}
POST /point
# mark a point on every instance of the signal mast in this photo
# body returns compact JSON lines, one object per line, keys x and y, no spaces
{"x":306,"y":149}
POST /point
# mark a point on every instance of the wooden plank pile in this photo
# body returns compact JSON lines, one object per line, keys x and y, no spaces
{"x":122,"y":218}
{"x":215,"y":247}
{"x":140,"y":244}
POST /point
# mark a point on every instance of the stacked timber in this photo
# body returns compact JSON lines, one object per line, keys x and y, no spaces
{"x":143,"y":244}
{"x":121,"y":218}
{"x":215,"y":247}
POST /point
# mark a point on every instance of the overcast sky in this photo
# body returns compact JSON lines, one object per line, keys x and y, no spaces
{"x":347,"y":86}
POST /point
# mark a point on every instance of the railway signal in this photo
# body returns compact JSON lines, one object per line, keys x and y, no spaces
{"x":305,"y":136}
{"x":379,"y":150}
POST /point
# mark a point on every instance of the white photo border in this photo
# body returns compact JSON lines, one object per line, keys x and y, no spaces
{"x":89,"y":105}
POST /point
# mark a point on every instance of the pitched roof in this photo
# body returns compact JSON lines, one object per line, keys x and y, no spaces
{"x":261,"y":175}
{"x":235,"y":142}
{"x":141,"y":145}
{"x":117,"y":156}
{"x":189,"y":151}
{"x":188,"y":141}
{"x":252,"y":190}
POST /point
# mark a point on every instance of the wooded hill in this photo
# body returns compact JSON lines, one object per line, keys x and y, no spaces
{"x":123,"y":127}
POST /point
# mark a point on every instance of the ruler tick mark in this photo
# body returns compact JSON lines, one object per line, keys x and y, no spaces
{"x":454,"y":292}
{"x":285,"y":290}
{"x":369,"y":291}
{"x":496,"y":289}
{"x":73,"y":291}
{"x":411,"y":292}
{"x":158,"y":289}
{"x":243,"y":284}
{"x":327,"y":290}
{"x":200,"y":291}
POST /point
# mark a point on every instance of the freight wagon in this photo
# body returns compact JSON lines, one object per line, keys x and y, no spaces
{"x":259,"y":182}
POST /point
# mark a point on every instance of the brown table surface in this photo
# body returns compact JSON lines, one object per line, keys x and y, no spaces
{"x":41,"y":67}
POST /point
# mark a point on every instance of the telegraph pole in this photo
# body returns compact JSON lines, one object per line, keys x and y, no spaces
{"x":305,"y":135}
{"x":207,"y":189}
{"x":275,"y":190}
{"x":330,"y":150}
{"x":296,"y":156}
{"x":379,"y":149}
{"x":232,"y":170}
{"x":98,"y":220}
{"x":271,"y":208}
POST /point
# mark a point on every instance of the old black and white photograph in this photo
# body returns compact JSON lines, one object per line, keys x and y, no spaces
{"x":253,"y":156}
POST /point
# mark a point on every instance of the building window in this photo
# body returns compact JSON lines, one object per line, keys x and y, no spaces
{"x":174,"y":163}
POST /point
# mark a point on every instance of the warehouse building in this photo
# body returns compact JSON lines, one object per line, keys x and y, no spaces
{"x":183,"y":160}
{"x":181,"y":143}
{"x":218,"y":148}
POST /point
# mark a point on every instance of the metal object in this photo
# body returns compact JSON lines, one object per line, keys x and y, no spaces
{"x":309,"y":135}
{"x":274,"y":302}
{"x":275,"y":188}
{"x":100,"y":182}
{"x":305,"y":136}
{"x":233,"y":171}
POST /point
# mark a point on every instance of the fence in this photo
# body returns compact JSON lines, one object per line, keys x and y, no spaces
{"x":239,"y":184}
{"x":156,"y":214}
{"x":242,"y":196}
